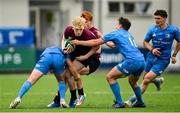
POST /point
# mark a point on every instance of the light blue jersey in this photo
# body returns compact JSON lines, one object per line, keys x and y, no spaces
{"x":51,"y":59}
{"x":133,"y":62}
{"x":163,"y":39}
{"x":125,"y":44}
{"x":53,"y":50}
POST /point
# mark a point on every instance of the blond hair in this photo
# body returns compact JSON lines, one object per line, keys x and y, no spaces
{"x":79,"y":23}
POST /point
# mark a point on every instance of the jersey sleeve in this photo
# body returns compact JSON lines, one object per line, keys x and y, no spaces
{"x":148,"y":35}
{"x":109,"y":37}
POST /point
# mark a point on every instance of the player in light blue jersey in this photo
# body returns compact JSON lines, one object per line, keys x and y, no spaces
{"x":133,"y":63}
{"x":162,"y":36}
{"x":54,"y":59}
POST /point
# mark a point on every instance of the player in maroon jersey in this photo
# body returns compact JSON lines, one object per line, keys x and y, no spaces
{"x":77,"y":31}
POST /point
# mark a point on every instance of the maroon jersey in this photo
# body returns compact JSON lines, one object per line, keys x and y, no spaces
{"x":86,"y":35}
{"x":94,"y":31}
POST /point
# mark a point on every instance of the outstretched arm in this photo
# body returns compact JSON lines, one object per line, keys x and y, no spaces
{"x":93,"y":42}
{"x":110,"y":44}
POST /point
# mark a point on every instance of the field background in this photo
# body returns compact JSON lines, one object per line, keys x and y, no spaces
{"x":99,"y":95}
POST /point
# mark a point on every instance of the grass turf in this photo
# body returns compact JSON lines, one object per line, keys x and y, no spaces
{"x":99,"y":95}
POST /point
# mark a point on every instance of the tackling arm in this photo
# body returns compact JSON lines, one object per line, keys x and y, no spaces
{"x":110,"y":44}
{"x":93,"y":42}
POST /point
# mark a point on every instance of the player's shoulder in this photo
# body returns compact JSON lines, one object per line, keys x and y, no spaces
{"x":87,"y":32}
{"x":173,"y":28}
{"x":93,"y":28}
{"x":153,"y":27}
{"x":68,"y":28}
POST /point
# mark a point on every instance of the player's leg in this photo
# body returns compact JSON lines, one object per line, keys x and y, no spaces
{"x":72,"y":89}
{"x":71,"y":82}
{"x":84,"y":71}
{"x":158,"y":82}
{"x":33,"y":78}
{"x":62,"y":90}
{"x":148,"y":78}
{"x":56,"y":101}
{"x":93,"y":63}
{"x":112,"y":77}
{"x":159,"y":68}
{"x":137,"y":91}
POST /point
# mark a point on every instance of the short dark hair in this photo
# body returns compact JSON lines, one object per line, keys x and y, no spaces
{"x":161,"y":12}
{"x":126,"y":24}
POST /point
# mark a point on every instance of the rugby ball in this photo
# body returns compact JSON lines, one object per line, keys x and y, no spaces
{"x":68,"y":44}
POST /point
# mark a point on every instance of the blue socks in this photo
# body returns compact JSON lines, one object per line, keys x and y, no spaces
{"x":137,"y":91}
{"x":62,"y":90}
{"x":26,"y":86}
{"x":116,"y":91}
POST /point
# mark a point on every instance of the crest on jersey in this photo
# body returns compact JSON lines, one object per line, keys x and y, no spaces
{"x":154,"y":35}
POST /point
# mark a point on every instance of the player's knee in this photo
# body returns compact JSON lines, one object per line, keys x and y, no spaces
{"x":133,"y":83}
{"x":77,"y":78}
{"x":108,"y":78}
{"x":146,"y":81}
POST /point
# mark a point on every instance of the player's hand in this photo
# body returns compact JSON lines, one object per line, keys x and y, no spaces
{"x":81,"y":58}
{"x":156,"y":51}
{"x":67,"y":50}
{"x":75,"y":42}
{"x":173,"y":60}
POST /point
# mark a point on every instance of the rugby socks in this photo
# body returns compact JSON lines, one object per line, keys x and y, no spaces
{"x":73,"y":94}
{"x":81,"y":91}
{"x":26,"y":86}
{"x":137,"y":91}
{"x":57,"y":98}
{"x":62,"y":90}
{"x":116,"y":91}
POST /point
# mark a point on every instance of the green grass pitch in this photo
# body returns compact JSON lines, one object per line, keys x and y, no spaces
{"x":99,"y":95}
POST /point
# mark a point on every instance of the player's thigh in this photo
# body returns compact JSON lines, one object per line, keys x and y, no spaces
{"x":140,"y":65}
{"x":128,"y":66}
{"x":93,"y":64}
{"x":84,"y":71}
{"x":114,"y":73}
{"x":44,"y":63}
{"x":58,"y":64}
{"x":78,"y":65}
{"x":59,"y":78}
{"x":150,"y":76}
{"x":34,"y":76}
{"x":133,"y":80}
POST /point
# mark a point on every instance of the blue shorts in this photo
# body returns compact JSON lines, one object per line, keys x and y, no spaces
{"x":49,"y":61}
{"x":156,"y":65}
{"x":134,"y":67}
